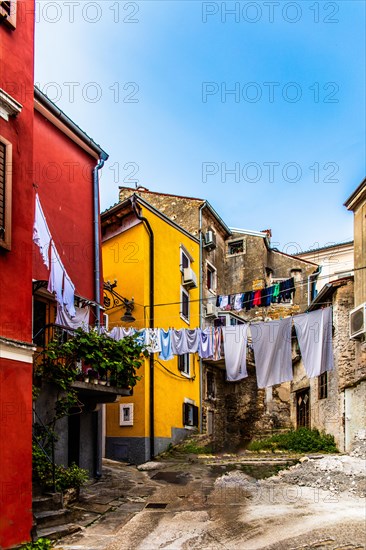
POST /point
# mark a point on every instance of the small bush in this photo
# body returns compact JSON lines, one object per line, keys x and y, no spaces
{"x":66,"y":477}
{"x":302,"y":440}
{"x":41,"y":544}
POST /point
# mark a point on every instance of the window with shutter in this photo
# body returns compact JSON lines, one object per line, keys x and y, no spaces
{"x":5,"y":194}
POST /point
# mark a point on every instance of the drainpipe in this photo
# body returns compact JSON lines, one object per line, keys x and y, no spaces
{"x":151,"y":320}
{"x":97,"y":236}
{"x":201,"y":311}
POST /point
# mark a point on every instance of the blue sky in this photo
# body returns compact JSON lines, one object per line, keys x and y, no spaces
{"x":151,"y":84}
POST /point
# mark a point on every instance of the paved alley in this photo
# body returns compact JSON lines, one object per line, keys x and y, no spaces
{"x":213,"y":503}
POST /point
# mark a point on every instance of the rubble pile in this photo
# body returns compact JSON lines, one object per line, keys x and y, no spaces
{"x":332,"y":473}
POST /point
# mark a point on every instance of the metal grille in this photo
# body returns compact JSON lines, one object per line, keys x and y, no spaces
{"x":2,"y":188}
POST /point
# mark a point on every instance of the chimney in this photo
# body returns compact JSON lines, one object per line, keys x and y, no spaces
{"x":268,"y":232}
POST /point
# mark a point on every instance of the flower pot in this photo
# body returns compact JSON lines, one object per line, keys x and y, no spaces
{"x":102,"y":382}
{"x":86,"y":379}
{"x":95,"y":381}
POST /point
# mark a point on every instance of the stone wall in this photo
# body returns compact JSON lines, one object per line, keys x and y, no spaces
{"x":328,"y":414}
{"x":182,"y":210}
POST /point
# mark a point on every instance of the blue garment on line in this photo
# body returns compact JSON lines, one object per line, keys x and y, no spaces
{"x":166,"y":345}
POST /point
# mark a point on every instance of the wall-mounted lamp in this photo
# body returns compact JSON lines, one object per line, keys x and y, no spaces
{"x":112,"y":299}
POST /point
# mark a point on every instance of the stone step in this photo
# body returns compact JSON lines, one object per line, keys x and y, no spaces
{"x":43,"y":503}
{"x":56,"y":532}
{"x":51,"y":518}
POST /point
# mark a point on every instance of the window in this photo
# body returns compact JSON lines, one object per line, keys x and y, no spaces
{"x":8,"y":12}
{"x":185,"y":259}
{"x":126,"y":414}
{"x":211,"y":277}
{"x":5,"y":194}
{"x":323,"y":386}
{"x":190,"y":415}
{"x":184,"y":363}
{"x":236,"y":247}
{"x":303,"y":408}
{"x":210,"y":385}
{"x":184,"y":304}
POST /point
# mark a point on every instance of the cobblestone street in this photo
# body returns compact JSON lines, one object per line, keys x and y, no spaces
{"x":212,"y":503}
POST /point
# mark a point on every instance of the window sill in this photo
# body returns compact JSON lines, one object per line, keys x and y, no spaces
{"x":185,"y":319}
{"x":185,"y":375}
{"x":235,"y":255}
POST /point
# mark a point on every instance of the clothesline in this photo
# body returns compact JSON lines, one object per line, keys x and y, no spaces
{"x":271,"y":344}
{"x":264,"y":297}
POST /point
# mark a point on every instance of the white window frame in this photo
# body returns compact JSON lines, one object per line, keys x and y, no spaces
{"x":182,"y":316}
{"x":123,"y":407}
{"x":184,"y":251}
{"x":210,"y":267}
{"x":243,"y":241}
{"x":188,"y":401}
{"x":186,"y":359}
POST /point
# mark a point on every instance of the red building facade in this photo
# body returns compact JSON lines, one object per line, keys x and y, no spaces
{"x":41,"y":152}
{"x":16,"y":221}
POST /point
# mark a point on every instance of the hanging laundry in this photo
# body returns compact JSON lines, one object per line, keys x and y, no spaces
{"x":266,"y":296}
{"x":179,"y":341}
{"x":257,"y":298}
{"x":166,"y":345}
{"x":41,"y":233}
{"x":152,"y":340}
{"x":230,"y":305}
{"x":55,"y":281}
{"x":314,"y":334}
{"x":238,"y":301}
{"x":79,"y":320}
{"x":118,"y":333}
{"x":193,"y":340}
{"x":235,"y":348}
{"x":276,"y":292}
{"x":248,"y":300}
{"x":205,"y":350}
{"x":223,"y":302}
{"x":287,"y":289}
{"x":217,"y":344}
{"x":68,"y":296}
{"x":272,"y":352}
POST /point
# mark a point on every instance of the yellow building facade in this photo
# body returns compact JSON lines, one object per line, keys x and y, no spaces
{"x":149,"y":257}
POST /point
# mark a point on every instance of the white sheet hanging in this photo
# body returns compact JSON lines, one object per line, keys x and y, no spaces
{"x":80,"y":319}
{"x":55,"y":281}
{"x":314,"y":334}
{"x":152,"y":340}
{"x":41,"y":233}
{"x":272,"y":352}
{"x":235,"y":348}
{"x":68,"y":296}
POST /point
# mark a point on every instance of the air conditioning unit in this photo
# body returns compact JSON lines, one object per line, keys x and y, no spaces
{"x":189,"y":278}
{"x":211,"y":310}
{"x":210,"y":240}
{"x":357,"y":322}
